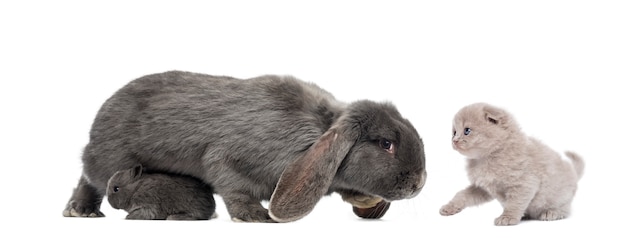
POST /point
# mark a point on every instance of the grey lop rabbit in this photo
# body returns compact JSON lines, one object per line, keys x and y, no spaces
{"x":269,"y":138}
{"x":158,"y":196}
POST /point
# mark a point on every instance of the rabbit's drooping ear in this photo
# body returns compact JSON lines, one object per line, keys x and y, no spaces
{"x":305,"y":181}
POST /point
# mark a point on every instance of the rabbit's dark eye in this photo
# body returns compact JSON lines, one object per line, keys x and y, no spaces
{"x":467,"y":131}
{"x":454,"y":133}
{"x":116,"y":189}
{"x":386,"y":145}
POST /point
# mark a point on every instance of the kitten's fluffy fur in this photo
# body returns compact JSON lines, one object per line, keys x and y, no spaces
{"x":528,"y":178}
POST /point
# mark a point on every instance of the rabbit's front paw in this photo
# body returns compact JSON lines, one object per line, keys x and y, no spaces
{"x":183,"y":217}
{"x":143,"y":214}
{"x":362,"y":201}
{"x":82,"y":208}
{"x":252,"y":215}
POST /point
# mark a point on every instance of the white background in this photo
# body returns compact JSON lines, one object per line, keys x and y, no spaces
{"x":558,"y":66}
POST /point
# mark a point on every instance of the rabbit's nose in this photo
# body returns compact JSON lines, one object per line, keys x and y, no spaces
{"x":422,"y":180}
{"x":417,"y":188}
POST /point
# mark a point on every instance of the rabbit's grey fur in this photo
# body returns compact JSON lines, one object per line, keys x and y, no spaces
{"x":158,"y":196}
{"x":272,"y":138}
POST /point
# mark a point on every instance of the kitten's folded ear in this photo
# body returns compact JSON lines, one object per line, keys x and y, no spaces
{"x":495,"y":115}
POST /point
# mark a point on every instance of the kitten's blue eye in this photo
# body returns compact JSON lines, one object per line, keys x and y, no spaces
{"x":467,"y":131}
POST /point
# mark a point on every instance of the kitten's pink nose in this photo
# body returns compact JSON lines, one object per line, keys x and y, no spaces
{"x":455,"y":143}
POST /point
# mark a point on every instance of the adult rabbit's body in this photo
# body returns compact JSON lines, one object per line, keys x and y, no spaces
{"x":163,"y":115}
{"x":236,"y":135}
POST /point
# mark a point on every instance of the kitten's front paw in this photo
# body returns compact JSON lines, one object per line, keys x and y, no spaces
{"x":506,"y":221}
{"x":449,"y":209}
{"x":550,"y":215}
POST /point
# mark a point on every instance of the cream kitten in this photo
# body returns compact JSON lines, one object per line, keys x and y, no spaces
{"x":528,"y":178}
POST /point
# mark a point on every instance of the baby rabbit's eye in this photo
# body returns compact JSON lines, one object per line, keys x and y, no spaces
{"x":467,"y":131}
{"x":386,"y":145}
{"x":454,"y":133}
{"x":116,"y":189}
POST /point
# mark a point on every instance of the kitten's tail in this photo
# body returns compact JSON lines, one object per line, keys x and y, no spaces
{"x":577,"y":162}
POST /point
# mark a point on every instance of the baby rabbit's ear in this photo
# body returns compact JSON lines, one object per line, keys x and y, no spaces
{"x":305,"y":181}
{"x":136,"y":172}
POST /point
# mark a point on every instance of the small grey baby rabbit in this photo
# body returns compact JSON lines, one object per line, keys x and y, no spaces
{"x":156,"y":196}
{"x":271,"y":137}
{"x":527,"y":177}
